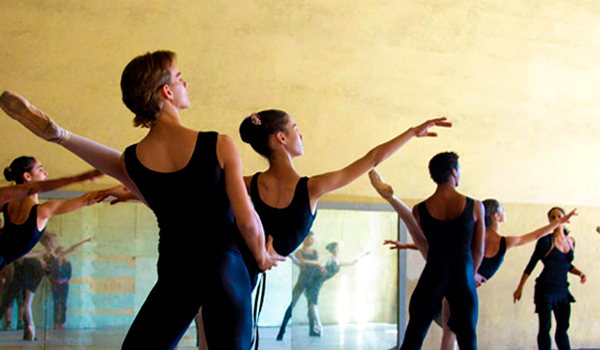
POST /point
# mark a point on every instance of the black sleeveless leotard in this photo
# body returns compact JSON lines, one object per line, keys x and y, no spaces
{"x":196,"y":243}
{"x":551,"y":286}
{"x":489,"y":266}
{"x":18,"y":240}
{"x":448,"y":273}
{"x":288,"y":226}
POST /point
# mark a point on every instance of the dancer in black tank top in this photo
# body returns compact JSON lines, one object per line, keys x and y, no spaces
{"x":154,"y":90}
{"x":495,"y":244}
{"x":25,"y":220}
{"x":551,"y":287}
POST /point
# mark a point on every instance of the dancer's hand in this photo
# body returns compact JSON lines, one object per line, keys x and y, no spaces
{"x":479,"y":280}
{"x":386,"y":191}
{"x":517,"y":295}
{"x":397,"y":245}
{"x":423,"y":129}
{"x":582,"y":278}
{"x":271,"y":258}
{"x":120,"y":194}
{"x":565,"y":219}
{"x":94,"y":197}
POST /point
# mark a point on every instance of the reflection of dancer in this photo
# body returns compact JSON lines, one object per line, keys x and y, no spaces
{"x":310,"y":269}
{"x":24,"y":217}
{"x":170,"y":169}
{"x":551,"y":287}
{"x":287,"y":202}
{"x":60,"y":271}
{"x":454,"y":229}
{"x":331,"y":268}
{"x":495,"y":244}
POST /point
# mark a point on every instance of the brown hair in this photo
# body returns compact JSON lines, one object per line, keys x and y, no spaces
{"x":140,"y":82}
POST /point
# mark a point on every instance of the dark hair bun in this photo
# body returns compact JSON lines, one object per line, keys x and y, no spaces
{"x":8,"y":174}
{"x":248,"y":130}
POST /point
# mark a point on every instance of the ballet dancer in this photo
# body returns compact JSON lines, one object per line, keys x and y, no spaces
{"x":551,"y":287}
{"x":25,"y":220}
{"x":171,"y":155}
{"x":453,"y":226}
{"x":60,"y":271}
{"x":496,"y":245}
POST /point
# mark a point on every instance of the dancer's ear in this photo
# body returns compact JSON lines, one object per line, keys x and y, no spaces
{"x":281,"y":138}
{"x":165,"y":91}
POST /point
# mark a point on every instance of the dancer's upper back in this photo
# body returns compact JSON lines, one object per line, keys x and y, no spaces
{"x":190,"y":198}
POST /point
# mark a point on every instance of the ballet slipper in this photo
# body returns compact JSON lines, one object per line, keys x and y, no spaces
{"x":32,"y":118}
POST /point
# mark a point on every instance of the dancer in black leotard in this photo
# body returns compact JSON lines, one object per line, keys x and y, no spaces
{"x":551,"y":287}
{"x":192,"y":219}
{"x":495,"y":244}
{"x":310,"y":269}
{"x":25,"y":219}
{"x":454,"y":230}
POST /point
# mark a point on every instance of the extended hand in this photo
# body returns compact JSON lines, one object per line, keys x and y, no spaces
{"x":517,"y":295}
{"x":397,"y":244}
{"x":423,"y":129}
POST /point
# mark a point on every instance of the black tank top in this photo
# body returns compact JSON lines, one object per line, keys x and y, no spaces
{"x":18,"y":240}
{"x":191,"y":204}
{"x":449,"y":240}
{"x":489,"y":266}
{"x":288,"y":226}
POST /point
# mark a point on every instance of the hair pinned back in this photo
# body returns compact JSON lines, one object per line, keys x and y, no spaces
{"x":17,"y":168}
{"x":257,"y":127}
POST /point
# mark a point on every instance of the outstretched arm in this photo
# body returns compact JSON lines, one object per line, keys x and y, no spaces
{"x":350,"y":263}
{"x":386,"y":191}
{"x":74,"y":247}
{"x":515,"y":241}
{"x":58,"y":207}
{"x":12,"y":193}
{"x":246,"y":218}
{"x":320,"y":185}
{"x":99,"y":156}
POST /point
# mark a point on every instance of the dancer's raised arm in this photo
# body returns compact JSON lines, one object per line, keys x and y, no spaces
{"x":39,"y":123}
{"x":320,"y":185}
{"x":515,"y":241}
{"x":386,"y":191}
{"x":12,"y":193}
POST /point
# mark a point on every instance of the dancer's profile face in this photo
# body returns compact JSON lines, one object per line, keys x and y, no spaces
{"x":38,"y":173}
{"x":501,"y":214}
{"x":295,"y":146}
{"x":178,"y":87}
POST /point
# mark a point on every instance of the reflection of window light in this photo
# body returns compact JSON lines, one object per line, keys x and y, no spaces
{"x":343,"y":301}
{"x":362,"y":311}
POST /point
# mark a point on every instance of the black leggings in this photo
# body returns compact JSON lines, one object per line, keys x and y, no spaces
{"x":562,"y":314}
{"x":223,"y":291}
{"x":459,"y":289}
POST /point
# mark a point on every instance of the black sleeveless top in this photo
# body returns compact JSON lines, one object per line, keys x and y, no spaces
{"x":449,"y":240}
{"x":18,"y":240}
{"x":191,"y":204}
{"x":288,"y":226}
{"x":489,"y":266}
{"x":552,"y":285}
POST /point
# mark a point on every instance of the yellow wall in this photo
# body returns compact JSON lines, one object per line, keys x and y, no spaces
{"x":518,"y":78}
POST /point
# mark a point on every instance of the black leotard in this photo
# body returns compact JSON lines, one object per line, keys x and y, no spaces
{"x":551,"y":286}
{"x":18,"y":240}
{"x":288,"y":226}
{"x":489,"y":266}
{"x":196,"y":231}
{"x":448,"y":273}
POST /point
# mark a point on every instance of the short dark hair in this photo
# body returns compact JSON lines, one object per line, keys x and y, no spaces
{"x":140,"y":82}
{"x":442,"y":165}
{"x":492,"y":207}
{"x":331,"y":246}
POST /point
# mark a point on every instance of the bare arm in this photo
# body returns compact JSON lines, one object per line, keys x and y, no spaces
{"x":577,"y":272}
{"x":519,"y":291}
{"x":350,"y":263}
{"x":12,"y":193}
{"x":515,"y":241}
{"x":320,"y":185}
{"x":58,"y":207}
{"x":246,"y":217}
{"x":76,"y":246}
{"x":386,"y":191}
{"x":478,"y":243}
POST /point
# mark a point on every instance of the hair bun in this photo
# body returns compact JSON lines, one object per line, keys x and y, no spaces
{"x":248,"y":130}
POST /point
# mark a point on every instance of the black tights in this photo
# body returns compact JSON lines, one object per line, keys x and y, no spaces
{"x":221,"y":286}
{"x":562,"y":313}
